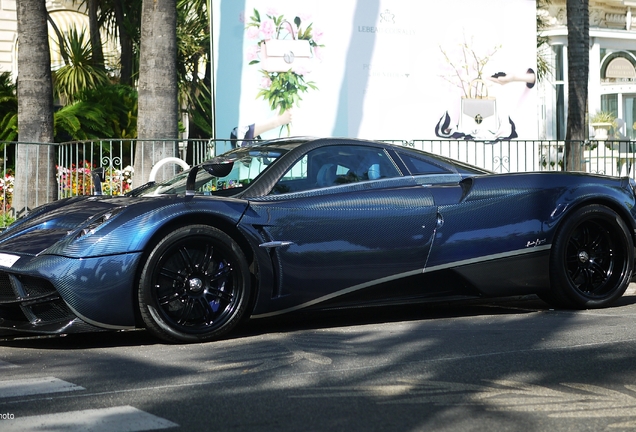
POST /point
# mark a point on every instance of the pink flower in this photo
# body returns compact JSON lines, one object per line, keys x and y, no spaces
{"x":317,"y":53}
{"x":300,"y":70}
{"x":266,"y":82}
{"x":317,"y":34}
{"x":252,"y":52}
{"x":252,"y":32}
{"x":268,"y":28}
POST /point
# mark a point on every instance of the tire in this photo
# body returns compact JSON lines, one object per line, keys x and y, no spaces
{"x":592,"y":259}
{"x":194,"y":286}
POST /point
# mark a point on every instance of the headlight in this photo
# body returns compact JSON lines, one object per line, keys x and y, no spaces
{"x":95,"y":222}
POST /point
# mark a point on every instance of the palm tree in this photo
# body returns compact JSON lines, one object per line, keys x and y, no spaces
{"x":8,"y":108}
{"x":96,"y":40}
{"x":578,"y":71}
{"x":120,"y":19}
{"x":193,"y":42}
{"x":35,"y":176}
{"x":103,"y":112}
{"x":80,"y":72}
{"x":158,"y":115}
{"x":127,"y":15}
{"x":543,"y":46}
{"x":123,"y":19}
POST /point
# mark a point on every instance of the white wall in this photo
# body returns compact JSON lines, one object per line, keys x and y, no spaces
{"x":8,"y":32}
{"x":382,"y":73}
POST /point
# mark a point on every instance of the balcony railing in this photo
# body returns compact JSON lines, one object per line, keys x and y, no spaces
{"x":74,"y":162}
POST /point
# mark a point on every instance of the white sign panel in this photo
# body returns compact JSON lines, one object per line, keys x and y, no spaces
{"x":380,"y":69}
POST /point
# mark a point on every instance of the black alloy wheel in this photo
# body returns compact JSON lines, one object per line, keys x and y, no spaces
{"x":195,"y":285}
{"x":592,"y":259}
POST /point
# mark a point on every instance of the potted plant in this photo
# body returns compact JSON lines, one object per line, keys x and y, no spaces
{"x":602,"y":122}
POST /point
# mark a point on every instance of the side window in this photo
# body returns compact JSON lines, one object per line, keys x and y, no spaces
{"x":421,"y":166}
{"x":336,"y":165}
{"x":294,"y":180}
{"x":298,"y":171}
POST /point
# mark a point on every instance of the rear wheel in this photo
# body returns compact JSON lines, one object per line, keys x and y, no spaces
{"x":592,"y":259}
{"x":194,"y":286}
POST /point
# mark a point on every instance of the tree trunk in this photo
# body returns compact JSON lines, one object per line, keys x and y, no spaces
{"x":35,"y":164}
{"x":96,"y":40}
{"x":125,"y":44}
{"x":578,"y":71}
{"x":158,"y":113}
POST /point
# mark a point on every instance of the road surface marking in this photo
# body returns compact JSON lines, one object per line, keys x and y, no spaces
{"x":34,"y":386}
{"x":120,"y":419}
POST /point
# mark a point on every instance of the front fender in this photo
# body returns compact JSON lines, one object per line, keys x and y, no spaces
{"x":131,"y":230}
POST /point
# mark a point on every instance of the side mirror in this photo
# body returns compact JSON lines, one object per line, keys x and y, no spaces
{"x":218,"y":170}
{"x":99,"y":176}
{"x":215,"y":169}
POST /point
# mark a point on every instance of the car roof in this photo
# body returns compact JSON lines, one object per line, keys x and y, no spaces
{"x":305,"y":144}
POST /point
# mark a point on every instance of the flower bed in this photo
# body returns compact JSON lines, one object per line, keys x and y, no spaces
{"x":77,"y":180}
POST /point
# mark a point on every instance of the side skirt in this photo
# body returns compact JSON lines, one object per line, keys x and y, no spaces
{"x":508,"y":274}
{"x":515,"y":275}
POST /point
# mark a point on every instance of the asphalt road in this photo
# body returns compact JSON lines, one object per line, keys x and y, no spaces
{"x":513,"y":365}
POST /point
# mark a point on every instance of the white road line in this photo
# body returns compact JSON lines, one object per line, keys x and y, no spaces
{"x":120,"y":419}
{"x":34,"y":386}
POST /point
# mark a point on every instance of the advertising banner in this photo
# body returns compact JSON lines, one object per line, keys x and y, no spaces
{"x":378,"y":69}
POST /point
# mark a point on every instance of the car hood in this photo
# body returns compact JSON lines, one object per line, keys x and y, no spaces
{"x":48,"y":224}
{"x":84,"y":227}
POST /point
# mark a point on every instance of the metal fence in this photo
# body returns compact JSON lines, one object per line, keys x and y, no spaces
{"x":74,"y":162}
{"x":613,"y":158}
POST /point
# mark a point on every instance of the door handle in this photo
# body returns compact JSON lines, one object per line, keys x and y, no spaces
{"x":275,"y":244}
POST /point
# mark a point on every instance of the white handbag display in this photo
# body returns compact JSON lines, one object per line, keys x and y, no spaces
{"x":478,"y":111}
{"x":281,"y":55}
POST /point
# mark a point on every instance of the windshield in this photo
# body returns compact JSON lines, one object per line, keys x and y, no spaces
{"x":248,"y":163}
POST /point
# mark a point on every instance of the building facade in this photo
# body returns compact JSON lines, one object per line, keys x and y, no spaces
{"x":612,"y":71}
{"x":8,"y":36}
{"x":64,"y":13}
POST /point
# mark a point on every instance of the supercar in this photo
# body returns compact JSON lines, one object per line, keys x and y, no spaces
{"x":290,"y":225}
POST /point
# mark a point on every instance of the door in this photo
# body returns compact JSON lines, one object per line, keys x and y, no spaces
{"x":629,"y":114}
{"x":341,"y":219}
{"x":327,"y":244}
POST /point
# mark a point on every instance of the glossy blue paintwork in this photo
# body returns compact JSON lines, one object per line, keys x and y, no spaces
{"x":450,"y":232}
{"x":98,"y":290}
{"x":340,"y":241}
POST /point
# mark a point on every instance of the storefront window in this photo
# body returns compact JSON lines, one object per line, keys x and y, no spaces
{"x":630,"y":115}
{"x":609,"y":103}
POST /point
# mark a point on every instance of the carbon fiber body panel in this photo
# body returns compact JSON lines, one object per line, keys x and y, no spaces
{"x":428,"y":229}
{"x":96,"y":290}
{"x":344,"y":239}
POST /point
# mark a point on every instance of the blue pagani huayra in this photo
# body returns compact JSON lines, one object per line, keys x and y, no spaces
{"x":294,"y":224}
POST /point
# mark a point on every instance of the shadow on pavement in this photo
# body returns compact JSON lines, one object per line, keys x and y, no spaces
{"x":308,"y":320}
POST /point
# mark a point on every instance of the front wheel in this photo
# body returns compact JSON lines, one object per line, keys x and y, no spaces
{"x":592,"y":259}
{"x":194,"y":286}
